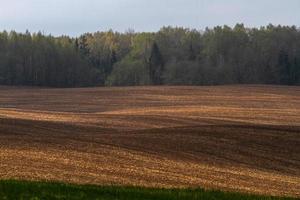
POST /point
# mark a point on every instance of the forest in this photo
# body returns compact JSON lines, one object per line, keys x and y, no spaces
{"x":171,"y":56}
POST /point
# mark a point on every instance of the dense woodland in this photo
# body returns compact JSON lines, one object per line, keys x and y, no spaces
{"x":171,"y":56}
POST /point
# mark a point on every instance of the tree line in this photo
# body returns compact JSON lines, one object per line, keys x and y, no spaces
{"x":171,"y":56}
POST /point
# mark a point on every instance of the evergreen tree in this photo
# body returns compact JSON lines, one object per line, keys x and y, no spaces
{"x":284,"y":67}
{"x":156,"y":65}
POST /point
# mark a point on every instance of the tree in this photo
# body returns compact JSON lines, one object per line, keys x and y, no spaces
{"x":81,"y":44}
{"x":221,"y":55}
{"x":192,"y":55}
{"x":156,"y":65}
{"x":284,"y":67}
{"x":128,"y":73}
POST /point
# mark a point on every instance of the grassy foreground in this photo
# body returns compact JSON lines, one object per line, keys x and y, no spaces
{"x":10,"y":189}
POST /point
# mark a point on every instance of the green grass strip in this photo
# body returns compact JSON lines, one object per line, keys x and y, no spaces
{"x":26,"y":190}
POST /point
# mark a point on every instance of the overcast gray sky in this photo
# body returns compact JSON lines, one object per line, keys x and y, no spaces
{"x":74,"y":17}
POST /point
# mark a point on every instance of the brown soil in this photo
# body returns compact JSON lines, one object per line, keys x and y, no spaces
{"x":240,"y":138}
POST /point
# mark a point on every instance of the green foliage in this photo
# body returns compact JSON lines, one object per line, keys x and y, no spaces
{"x":41,"y":60}
{"x":128,"y":73}
{"x":18,"y":190}
{"x":222,"y":55}
{"x":182,"y":73}
{"x":156,"y":65}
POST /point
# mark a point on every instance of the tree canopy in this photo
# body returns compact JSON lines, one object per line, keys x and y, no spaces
{"x":171,"y":56}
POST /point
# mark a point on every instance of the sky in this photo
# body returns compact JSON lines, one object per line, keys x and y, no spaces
{"x":74,"y":17}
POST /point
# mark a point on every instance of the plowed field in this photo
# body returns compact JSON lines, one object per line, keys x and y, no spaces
{"x":236,"y":138}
